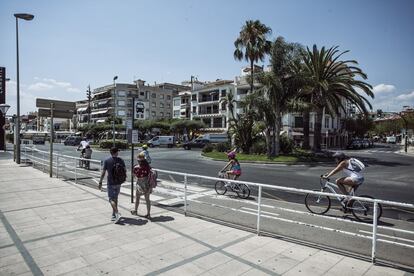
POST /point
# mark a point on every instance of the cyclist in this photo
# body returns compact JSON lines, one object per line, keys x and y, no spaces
{"x":352,"y":179}
{"x":146,"y":153}
{"x":83,"y":145}
{"x":235,"y":169}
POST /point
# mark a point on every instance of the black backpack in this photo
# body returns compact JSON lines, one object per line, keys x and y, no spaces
{"x":118,"y":172}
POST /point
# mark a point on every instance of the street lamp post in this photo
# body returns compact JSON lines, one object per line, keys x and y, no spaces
{"x":3,"y":111}
{"x":27,"y":17}
{"x":113,"y":120}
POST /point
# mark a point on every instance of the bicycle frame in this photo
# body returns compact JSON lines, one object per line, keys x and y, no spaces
{"x":331,"y":187}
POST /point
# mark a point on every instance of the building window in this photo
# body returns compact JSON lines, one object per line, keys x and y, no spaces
{"x":168,"y":98}
{"x":162,"y":96}
{"x":176,"y":113}
{"x":153,"y":114}
{"x":161,"y":105}
{"x":121,"y":112}
{"x":194,"y":109}
{"x":168,"y":114}
{"x":194,"y":97}
{"x":121,"y":103}
{"x":154,"y":104}
{"x":223,"y":106}
{"x":161,"y":114}
{"x":326,"y":122}
{"x":177,"y":102}
{"x":298,"y":122}
{"x":142,"y":93}
{"x":121,"y":93}
{"x":223,"y":93}
{"x":153,"y":95}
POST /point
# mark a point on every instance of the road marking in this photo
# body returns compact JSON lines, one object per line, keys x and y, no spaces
{"x":261,"y":211}
{"x":387,"y":236}
{"x":172,"y":178}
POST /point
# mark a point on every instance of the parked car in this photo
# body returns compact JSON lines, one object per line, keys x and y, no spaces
{"x":391,"y":140}
{"x":215,"y":137}
{"x":355,"y":144}
{"x":39,"y":140}
{"x":196,"y":143}
{"x":72,"y":141}
{"x":168,"y":141}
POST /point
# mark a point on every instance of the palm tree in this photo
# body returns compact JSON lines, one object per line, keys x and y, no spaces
{"x":330,"y":82}
{"x":281,"y":87}
{"x":252,"y":44}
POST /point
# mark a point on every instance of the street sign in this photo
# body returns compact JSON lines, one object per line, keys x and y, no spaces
{"x":58,"y":105}
{"x":128,"y":123}
{"x":56,"y":113}
{"x":133,"y":137}
{"x":139,"y":109}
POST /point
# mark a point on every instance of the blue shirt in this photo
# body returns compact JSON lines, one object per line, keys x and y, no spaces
{"x":109,"y":165}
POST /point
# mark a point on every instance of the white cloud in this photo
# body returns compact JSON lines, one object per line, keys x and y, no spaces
{"x":383,"y":88}
{"x":40,"y":86}
{"x":406,"y":97}
{"x":71,"y":89}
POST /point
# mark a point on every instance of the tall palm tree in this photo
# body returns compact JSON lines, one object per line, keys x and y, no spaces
{"x":331,"y":81}
{"x":281,"y":85}
{"x":252,"y":44}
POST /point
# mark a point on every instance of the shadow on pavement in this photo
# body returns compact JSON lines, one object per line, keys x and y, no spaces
{"x":132,"y":221}
{"x":162,"y":219}
{"x":374,"y":161}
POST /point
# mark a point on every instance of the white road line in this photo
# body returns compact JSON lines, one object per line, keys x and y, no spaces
{"x":172,"y":178}
{"x":261,"y":211}
{"x":387,"y":236}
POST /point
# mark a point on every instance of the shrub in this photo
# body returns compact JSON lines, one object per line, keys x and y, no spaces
{"x":258,"y":147}
{"x":107,"y":144}
{"x":208,"y":148}
{"x":286,"y":144}
{"x":223,"y":147}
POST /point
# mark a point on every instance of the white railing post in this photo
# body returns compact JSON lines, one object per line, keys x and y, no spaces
{"x":76,"y":171}
{"x":185,"y":195}
{"x":44,"y":161}
{"x":374,"y":232}
{"x":259,"y":209}
{"x":25,"y":155}
{"x":57,"y":165}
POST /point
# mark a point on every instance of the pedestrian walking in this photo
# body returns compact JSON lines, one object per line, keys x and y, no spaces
{"x":115,"y":167}
{"x":142,"y":172}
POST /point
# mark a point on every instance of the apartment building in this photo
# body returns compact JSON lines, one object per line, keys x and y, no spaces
{"x":80,"y":118}
{"x":207,"y":106}
{"x":116,"y":100}
{"x":182,"y":105}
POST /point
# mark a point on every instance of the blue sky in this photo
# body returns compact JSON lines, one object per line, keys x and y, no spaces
{"x":71,"y":44}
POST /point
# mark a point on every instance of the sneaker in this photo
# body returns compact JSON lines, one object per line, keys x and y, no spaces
{"x":113,"y":218}
{"x":117,"y":217}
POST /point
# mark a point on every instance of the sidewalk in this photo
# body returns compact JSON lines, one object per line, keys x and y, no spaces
{"x":52,"y":227}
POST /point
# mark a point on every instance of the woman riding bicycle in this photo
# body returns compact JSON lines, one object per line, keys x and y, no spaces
{"x":352,"y":179}
{"x":235,"y":168}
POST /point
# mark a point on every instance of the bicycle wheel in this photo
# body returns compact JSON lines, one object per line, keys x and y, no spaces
{"x":220,"y":187}
{"x":363,"y":210}
{"x":317,"y":204}
{"x":243,"y":191}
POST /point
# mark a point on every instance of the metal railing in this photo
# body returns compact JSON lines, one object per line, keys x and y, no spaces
{"x":260,"y":187}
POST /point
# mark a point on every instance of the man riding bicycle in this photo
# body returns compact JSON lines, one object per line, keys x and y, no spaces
{"x":146,"y":153}
{"x":353,"y":177}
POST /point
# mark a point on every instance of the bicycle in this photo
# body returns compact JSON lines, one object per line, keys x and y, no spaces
{"x":221,"y":187}
{"x":320,"y":204}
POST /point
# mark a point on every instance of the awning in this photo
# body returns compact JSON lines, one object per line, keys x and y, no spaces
{"x":81,"y":109}
{"x":100,"y":93}
{"x":99,"y":112}
{"x":100,"y":121}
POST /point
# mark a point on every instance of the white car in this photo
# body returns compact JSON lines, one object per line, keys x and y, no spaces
{"x":391,"y":140}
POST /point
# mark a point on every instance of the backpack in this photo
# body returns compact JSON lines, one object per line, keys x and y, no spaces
{"x":357,"y":165}
{"x":118,"y":172}
{"x":152,"y":179}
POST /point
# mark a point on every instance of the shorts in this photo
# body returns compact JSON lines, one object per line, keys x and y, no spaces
{"x":236,"y":172}
{"x":113,"y":192}
{"x":143,"y":186}
{"x":358,"y":180}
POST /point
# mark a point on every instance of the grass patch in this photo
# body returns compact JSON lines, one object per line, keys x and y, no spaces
{"x":253,"y":157}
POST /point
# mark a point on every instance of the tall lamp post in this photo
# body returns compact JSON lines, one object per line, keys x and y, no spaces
{"x":3,"y":111}
{"x":27,"y":17}
{"x":113,"y":120}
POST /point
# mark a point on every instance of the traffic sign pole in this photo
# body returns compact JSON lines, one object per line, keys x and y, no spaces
{"x":51,"y":141}
{"x":132,"y":151}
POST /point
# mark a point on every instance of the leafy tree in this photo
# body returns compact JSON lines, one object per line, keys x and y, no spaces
{"x":330,"y":81}
{"x":252,"y":44}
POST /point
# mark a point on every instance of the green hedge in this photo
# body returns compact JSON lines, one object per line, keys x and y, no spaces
{"x":107,"y":144}
{"x":208,"y":148}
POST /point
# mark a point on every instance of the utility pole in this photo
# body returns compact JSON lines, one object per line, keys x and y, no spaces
{"x":89,"y":97}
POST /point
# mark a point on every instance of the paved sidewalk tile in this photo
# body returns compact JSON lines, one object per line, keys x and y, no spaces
{"x":58,"y":228}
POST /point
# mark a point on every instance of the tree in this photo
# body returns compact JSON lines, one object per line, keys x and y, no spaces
{"x":330,"y":82}
{"x":252,"y":44}
{"x":280,"y":90}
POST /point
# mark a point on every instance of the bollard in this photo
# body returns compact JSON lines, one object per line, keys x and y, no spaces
{"x":185,"y":195}
{"x":259,"y":209}
{"x":374,"y":232}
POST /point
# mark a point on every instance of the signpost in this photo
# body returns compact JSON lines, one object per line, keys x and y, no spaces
{"x":133,"y":140}
{"x":3,"y":101}
{"x":54,"y":108}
